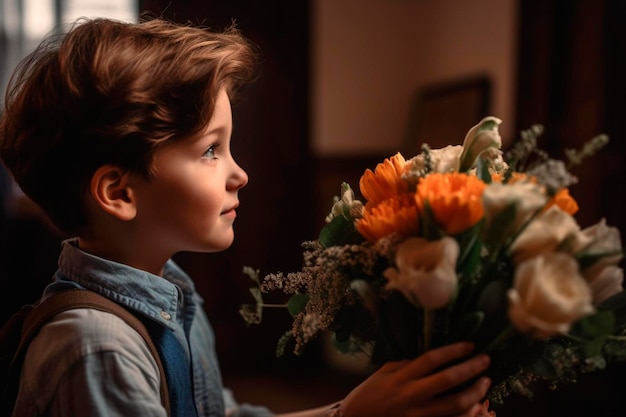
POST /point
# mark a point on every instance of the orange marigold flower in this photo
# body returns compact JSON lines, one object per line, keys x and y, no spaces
{"x":385,"y":181}
{"x":496,"y":177}
{"x":455,"y":200}
{"x":395,"y":215}
{"x":515,"y":177}
{"x":564,"y":201}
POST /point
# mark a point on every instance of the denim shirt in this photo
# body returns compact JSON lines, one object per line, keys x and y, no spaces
{"x":90,"y":363}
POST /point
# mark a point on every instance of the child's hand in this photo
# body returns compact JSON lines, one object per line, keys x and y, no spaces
{"x":417,"y":388}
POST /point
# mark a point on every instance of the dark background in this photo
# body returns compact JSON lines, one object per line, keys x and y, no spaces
{"x":571,"y":78}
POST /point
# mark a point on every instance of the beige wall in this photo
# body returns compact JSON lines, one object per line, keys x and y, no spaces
{"x":370,"y":56}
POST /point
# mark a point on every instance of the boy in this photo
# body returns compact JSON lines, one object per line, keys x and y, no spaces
{"x":121,"y":134}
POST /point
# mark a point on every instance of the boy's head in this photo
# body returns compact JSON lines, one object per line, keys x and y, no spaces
{"x":110,"y":92}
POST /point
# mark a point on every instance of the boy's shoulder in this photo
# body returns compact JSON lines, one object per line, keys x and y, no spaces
{"x":75,"y":334}
{"x":80,"y":346}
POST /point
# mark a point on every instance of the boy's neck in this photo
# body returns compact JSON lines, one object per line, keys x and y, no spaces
{"x":124,"y":251}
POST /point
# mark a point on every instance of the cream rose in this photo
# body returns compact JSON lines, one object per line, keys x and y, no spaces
{"x":548,"y":295}
{"x":446,"y":159}
{"x":425,"y":271}
{"x":603,"y":245}
{"x":544,"y":234}
{"x":600,"y":240}
{"x":526,"y":198}
{"x":606,"y":283}
{"x":443,"y":160}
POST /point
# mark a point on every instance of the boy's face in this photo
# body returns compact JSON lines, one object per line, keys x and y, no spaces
{"x":190,"y":203}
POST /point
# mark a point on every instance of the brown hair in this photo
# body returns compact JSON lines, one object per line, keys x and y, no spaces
{"x":110,"y":92}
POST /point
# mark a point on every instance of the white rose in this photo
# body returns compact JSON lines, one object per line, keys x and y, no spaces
{"x":544,"y":234}
{"x":479,"y":138}
{"x":446,"y":159}
{"x":604,"y":238}
{"x":600,"y":247}
{"x":526,"y":198}
{"x":426,"y":271}
{"x":548,"y":295}
{"x":602,"y":241}
{"x":442,"y":160}
{"x":606,"y":283}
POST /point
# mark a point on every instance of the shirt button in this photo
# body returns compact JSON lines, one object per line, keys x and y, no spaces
{"x":166,"y":315}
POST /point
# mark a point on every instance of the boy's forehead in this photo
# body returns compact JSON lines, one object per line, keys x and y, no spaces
{"x":222,"y":115}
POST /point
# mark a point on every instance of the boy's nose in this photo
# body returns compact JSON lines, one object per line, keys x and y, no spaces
{"x":238,"y":180}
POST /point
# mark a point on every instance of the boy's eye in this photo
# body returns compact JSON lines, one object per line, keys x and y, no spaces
{"x":210,"y":153}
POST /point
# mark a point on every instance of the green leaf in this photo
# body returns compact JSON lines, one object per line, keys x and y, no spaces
{"x":593,"y":347}
{"x":482,"y":171}
{"x":340,"y":231}
{"x":587,"y":259}
{"x":469,"y":250}
{"x":595,"y":330}
{"x":597,"y":325}
{"x":467,"y":326}
{"x":297,"y":303}
{"x":617,"y":306}
{"x":430,"y":230}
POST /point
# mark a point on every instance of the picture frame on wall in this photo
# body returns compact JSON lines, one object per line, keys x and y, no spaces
{"x":442,"y":113}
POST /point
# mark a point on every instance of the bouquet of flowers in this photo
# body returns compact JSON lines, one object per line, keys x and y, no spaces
{"x":463,"y":243}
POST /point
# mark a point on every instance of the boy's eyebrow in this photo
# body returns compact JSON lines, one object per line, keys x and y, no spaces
{"x":216,"y":131}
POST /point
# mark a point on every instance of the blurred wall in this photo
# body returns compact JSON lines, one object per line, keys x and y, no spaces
{"x":369,"y":58}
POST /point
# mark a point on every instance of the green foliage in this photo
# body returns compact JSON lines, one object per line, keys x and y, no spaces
{"x":470,"y":247}
{"x":430,"y":230}
{"x":297,"y":303}
{"x":587,"y":259}
{"x":617,"y":305}
{"x":482,"y":171}
{"x":340,"y":231}
{"x":595,"y":330}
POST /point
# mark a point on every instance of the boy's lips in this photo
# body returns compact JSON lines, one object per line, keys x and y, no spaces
{"x":232,"y":210}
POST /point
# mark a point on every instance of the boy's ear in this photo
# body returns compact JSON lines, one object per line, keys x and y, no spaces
{"x":110,"y":188}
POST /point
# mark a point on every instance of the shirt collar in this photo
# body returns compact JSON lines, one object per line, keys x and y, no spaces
{"x":159,"y":298}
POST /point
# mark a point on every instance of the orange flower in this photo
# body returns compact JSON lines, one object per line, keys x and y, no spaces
{"x":563,"y":200}
{"x":385,"y":181}
{"x":394,"y":215}
{"x":515,"y":177}
{"x":454,"y":198}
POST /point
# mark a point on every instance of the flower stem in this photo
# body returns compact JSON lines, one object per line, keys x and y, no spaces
{"x":428,"y":328}
{"x":505,"y":334}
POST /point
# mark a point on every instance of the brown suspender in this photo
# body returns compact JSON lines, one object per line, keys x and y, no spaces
{"x":79,"y":298}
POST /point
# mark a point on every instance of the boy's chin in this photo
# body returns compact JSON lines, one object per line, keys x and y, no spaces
{"x":217,"y":246}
